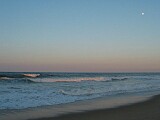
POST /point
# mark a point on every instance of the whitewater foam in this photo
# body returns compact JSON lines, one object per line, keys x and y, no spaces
{"x":31,"y":75}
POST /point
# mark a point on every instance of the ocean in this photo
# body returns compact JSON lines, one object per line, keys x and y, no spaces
{"x":33,"y":89}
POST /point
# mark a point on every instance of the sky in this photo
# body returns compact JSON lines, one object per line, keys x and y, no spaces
{"x":80,"y":35}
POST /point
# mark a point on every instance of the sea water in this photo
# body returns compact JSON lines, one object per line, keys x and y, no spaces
{"x":25,"y":90}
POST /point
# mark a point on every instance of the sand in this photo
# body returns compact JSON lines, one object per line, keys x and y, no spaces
{"x":147,"y":110}
{"x":117,"y":108}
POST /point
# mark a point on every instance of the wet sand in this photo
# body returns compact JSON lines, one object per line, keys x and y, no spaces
{"x":131,"y":107}
{"x":147,"y":110}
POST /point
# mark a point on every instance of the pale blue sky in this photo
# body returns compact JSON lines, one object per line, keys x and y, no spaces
{"x":80,"y":35}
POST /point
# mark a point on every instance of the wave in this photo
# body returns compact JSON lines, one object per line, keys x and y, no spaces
{"x":12,"y":80}
{"x":119,"y":78}
{"x":68,"y":79}
{"x":79,"y":79}
{"x":31,"y":75}
{"x":18,"y":75}
{"x":33,"y":78}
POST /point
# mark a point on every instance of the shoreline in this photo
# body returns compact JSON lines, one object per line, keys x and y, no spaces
{"x":57,"y":112}
{"x":145,"y":110}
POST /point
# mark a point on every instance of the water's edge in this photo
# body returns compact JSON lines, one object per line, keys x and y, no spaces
{"x":79,"y":106}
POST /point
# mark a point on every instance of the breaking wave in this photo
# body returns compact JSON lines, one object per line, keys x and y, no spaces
{"x":69,"y":79}
{"x":18,"y":75}
{"x":31,"y":75}
{"x":33,"y":78}
{"x":81,"y":79}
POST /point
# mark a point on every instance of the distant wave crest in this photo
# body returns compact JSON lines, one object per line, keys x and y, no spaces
{"x":33,"y":78}
{"x":19,"y":75}
{"x":79,"y":79}
{"x":68,"y":79}
{"x":31,"y":75}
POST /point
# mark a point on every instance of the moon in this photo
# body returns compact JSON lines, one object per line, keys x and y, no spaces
{"x":142,"y":13}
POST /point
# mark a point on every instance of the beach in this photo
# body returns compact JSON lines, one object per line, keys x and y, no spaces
{"x":130,"y":107}
{"x":79,"y":96}
{"x":147,"y":110}
{"x":79,"y":60}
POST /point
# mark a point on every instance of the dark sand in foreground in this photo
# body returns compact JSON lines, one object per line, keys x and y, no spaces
{"x":148,"y":110}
